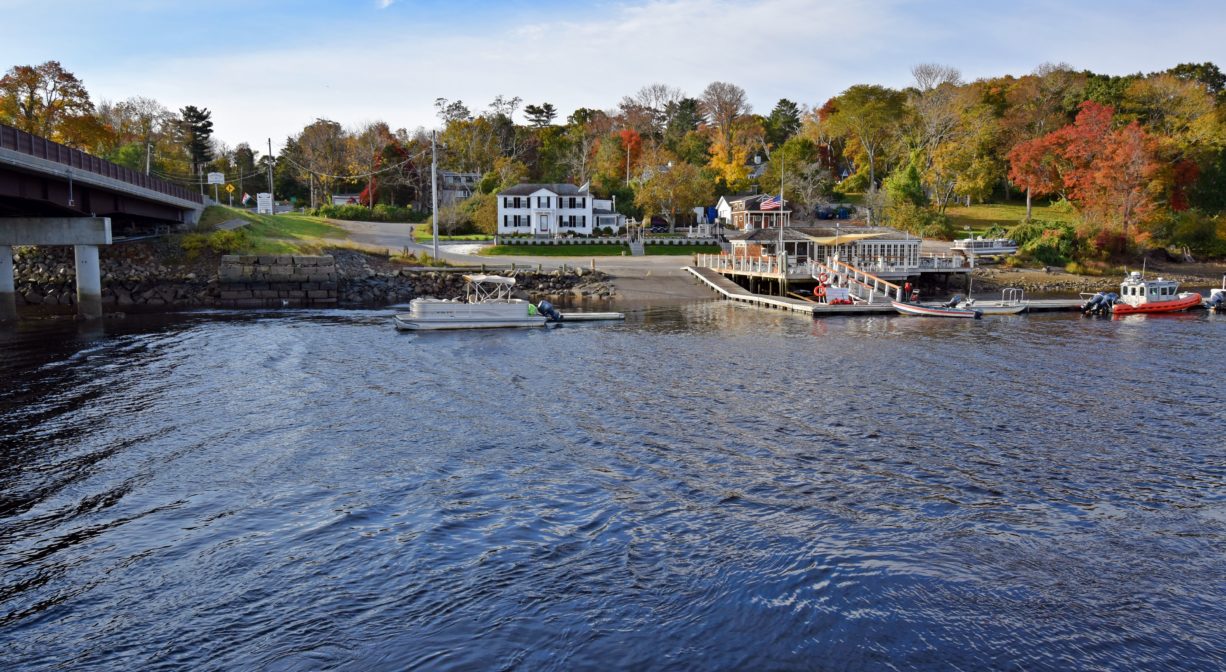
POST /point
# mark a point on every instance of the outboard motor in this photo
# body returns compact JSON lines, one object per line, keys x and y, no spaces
{"x":1100,"y":303}
{"x":953,"y":303}
{"x":1091,"y":306}
{"x":1216,"y":302}
{"x":546,"y":308}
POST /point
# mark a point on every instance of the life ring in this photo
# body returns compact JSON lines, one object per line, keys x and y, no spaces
{"x":822,"y":278}
{"x":819,"y":291}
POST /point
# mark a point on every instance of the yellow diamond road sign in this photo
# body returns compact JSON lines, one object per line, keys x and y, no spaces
{"x":230,"y":188}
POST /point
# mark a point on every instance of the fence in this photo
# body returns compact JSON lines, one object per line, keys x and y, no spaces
{"x":42,"y":148}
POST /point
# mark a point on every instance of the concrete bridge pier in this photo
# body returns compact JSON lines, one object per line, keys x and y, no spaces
{"x":8,"y":292}
{"x":89,"y":282}
{"x":85,"y":234}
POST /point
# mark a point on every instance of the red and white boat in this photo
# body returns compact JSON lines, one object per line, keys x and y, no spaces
{"x":1139,"y":296}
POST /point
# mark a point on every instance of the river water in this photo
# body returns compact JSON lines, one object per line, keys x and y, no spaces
{"x":704,"y":487}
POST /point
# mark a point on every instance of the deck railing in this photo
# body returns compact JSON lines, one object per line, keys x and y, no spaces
{"x":33,"y":145}
{"x":859,"y":277}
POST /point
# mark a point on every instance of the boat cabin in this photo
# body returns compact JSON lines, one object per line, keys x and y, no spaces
{"x":984,"y":246}
{"x":1136,"y":291}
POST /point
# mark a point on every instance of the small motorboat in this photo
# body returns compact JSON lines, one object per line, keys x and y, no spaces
{"x":487,"y":304}
{"x":948,"y":309}
{"x":1139,"y":296}
{"x":1217,"y":298}
{"x":1012,"y":301}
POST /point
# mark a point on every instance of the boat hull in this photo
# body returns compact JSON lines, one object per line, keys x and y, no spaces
{"x":407,"y":322}
{"x":1173,"y":306}
{"x":921,"y":310}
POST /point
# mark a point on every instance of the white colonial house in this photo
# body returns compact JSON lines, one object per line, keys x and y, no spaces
{"x":553,"y":210}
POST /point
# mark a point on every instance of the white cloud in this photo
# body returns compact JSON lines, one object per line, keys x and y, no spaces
{"x":799,"y":49}
{"x":384,"y":4}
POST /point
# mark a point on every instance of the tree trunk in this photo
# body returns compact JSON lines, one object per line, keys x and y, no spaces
{"x":1028,"y":204}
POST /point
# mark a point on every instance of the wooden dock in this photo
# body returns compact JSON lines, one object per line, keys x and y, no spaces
{"x":734,"y":292}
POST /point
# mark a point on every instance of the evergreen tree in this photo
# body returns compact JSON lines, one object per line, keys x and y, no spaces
{"x":197,"y":129}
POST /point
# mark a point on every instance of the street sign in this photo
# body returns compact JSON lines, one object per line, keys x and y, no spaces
{"x":230,"y":188}
{"x":217,"y":178}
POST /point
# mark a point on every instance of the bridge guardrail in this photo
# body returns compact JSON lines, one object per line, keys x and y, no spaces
{"x":33,"y":145}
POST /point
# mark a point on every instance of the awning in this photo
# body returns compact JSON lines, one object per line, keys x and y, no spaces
{"x":845,"y":238}
{"x":490,"y":279}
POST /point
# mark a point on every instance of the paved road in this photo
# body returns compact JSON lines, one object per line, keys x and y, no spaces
{"x":647,"y":277}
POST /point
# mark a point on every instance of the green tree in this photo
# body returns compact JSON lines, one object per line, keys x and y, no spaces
{"x":869,"y":115}
{"x":783,"y":122}
{"x":196,"y":131}
{"x":540,"y":115}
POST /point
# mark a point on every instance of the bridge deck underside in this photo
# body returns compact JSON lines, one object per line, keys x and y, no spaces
{"x":24,"y":194}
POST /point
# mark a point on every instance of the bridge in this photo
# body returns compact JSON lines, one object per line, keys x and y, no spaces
{"x":51,"y":194}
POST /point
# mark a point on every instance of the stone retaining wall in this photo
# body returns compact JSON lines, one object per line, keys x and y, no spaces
{"x":250,"y":281}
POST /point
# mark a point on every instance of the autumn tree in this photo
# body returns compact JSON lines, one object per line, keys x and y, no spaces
{"x":41,"y":99}
{"x":321,"y":148}
{"x":724,"y":105}
{"x":674,"y":186}
{"x":868,"y":115}
{"x":366,"y":155}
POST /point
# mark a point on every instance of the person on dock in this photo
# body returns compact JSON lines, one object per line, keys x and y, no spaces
{"x":906,"y":291}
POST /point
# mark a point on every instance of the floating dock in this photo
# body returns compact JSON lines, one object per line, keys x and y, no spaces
{"x":734,"y":292}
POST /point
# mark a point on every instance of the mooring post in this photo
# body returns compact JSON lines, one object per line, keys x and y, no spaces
{"x":8,"y":291}
{"x":89,"y":282}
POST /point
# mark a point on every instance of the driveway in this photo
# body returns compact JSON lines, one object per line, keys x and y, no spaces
{"x":644,"y":277}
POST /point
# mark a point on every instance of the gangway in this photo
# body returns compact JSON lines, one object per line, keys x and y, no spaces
{"x":862,"y":284}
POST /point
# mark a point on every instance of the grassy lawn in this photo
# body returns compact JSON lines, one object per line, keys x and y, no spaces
{"x":1005,"y":215}
{"x":673,"y":250}
{"x":555,"y":250}
{"x":280,"y":234}
{"x":423,"y":233}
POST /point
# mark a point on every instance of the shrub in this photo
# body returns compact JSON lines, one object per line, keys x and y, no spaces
{"x":361,"y":213}
{"x":194,"y":243}
{"x":920,"y":220}
{"x":227,"y":242}
{"x":1051,"y":243}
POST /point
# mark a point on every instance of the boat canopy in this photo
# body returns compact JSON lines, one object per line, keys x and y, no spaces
{"x":490,"y":279}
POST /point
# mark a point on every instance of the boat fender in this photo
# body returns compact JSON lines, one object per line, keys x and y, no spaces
{"x":546,"y":308}
{"x":822,"y":278}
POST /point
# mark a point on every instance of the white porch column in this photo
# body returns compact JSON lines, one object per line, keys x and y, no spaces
{"x":8,"y":293}
{"x":89,"y":282}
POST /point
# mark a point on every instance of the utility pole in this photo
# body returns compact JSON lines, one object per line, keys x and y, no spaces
{"x":434,"y":189}
{"x":270,"y":191}
{"x":148,"y":156}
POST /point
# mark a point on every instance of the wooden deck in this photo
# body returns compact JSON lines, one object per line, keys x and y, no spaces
{"x":734,"y":292}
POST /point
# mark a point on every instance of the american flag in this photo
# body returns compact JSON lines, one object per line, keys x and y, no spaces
{"x":772,"y":203}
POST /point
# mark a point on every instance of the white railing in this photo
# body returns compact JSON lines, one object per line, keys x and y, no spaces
{"x":857,"y":276}
{"x":723,"y":262}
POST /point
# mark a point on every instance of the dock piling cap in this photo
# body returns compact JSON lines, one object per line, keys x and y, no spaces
{"x":490,"y":279}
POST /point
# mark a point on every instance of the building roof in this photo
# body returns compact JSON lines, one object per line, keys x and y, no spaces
{"x":603,"y":211}
{"x":790,"y":235}
{"x":528,"y":189}
{"x":848,"y":229}
{"x":733,"y":198}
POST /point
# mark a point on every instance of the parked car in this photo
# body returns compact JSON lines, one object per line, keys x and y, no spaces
{"x":659,"y":224}
{"x":834,"y":211}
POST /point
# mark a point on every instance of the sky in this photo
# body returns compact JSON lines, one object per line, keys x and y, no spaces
{"x":266,"y":68}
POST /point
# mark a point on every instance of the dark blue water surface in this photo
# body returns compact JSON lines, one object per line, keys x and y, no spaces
{"x":706,"y":487}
